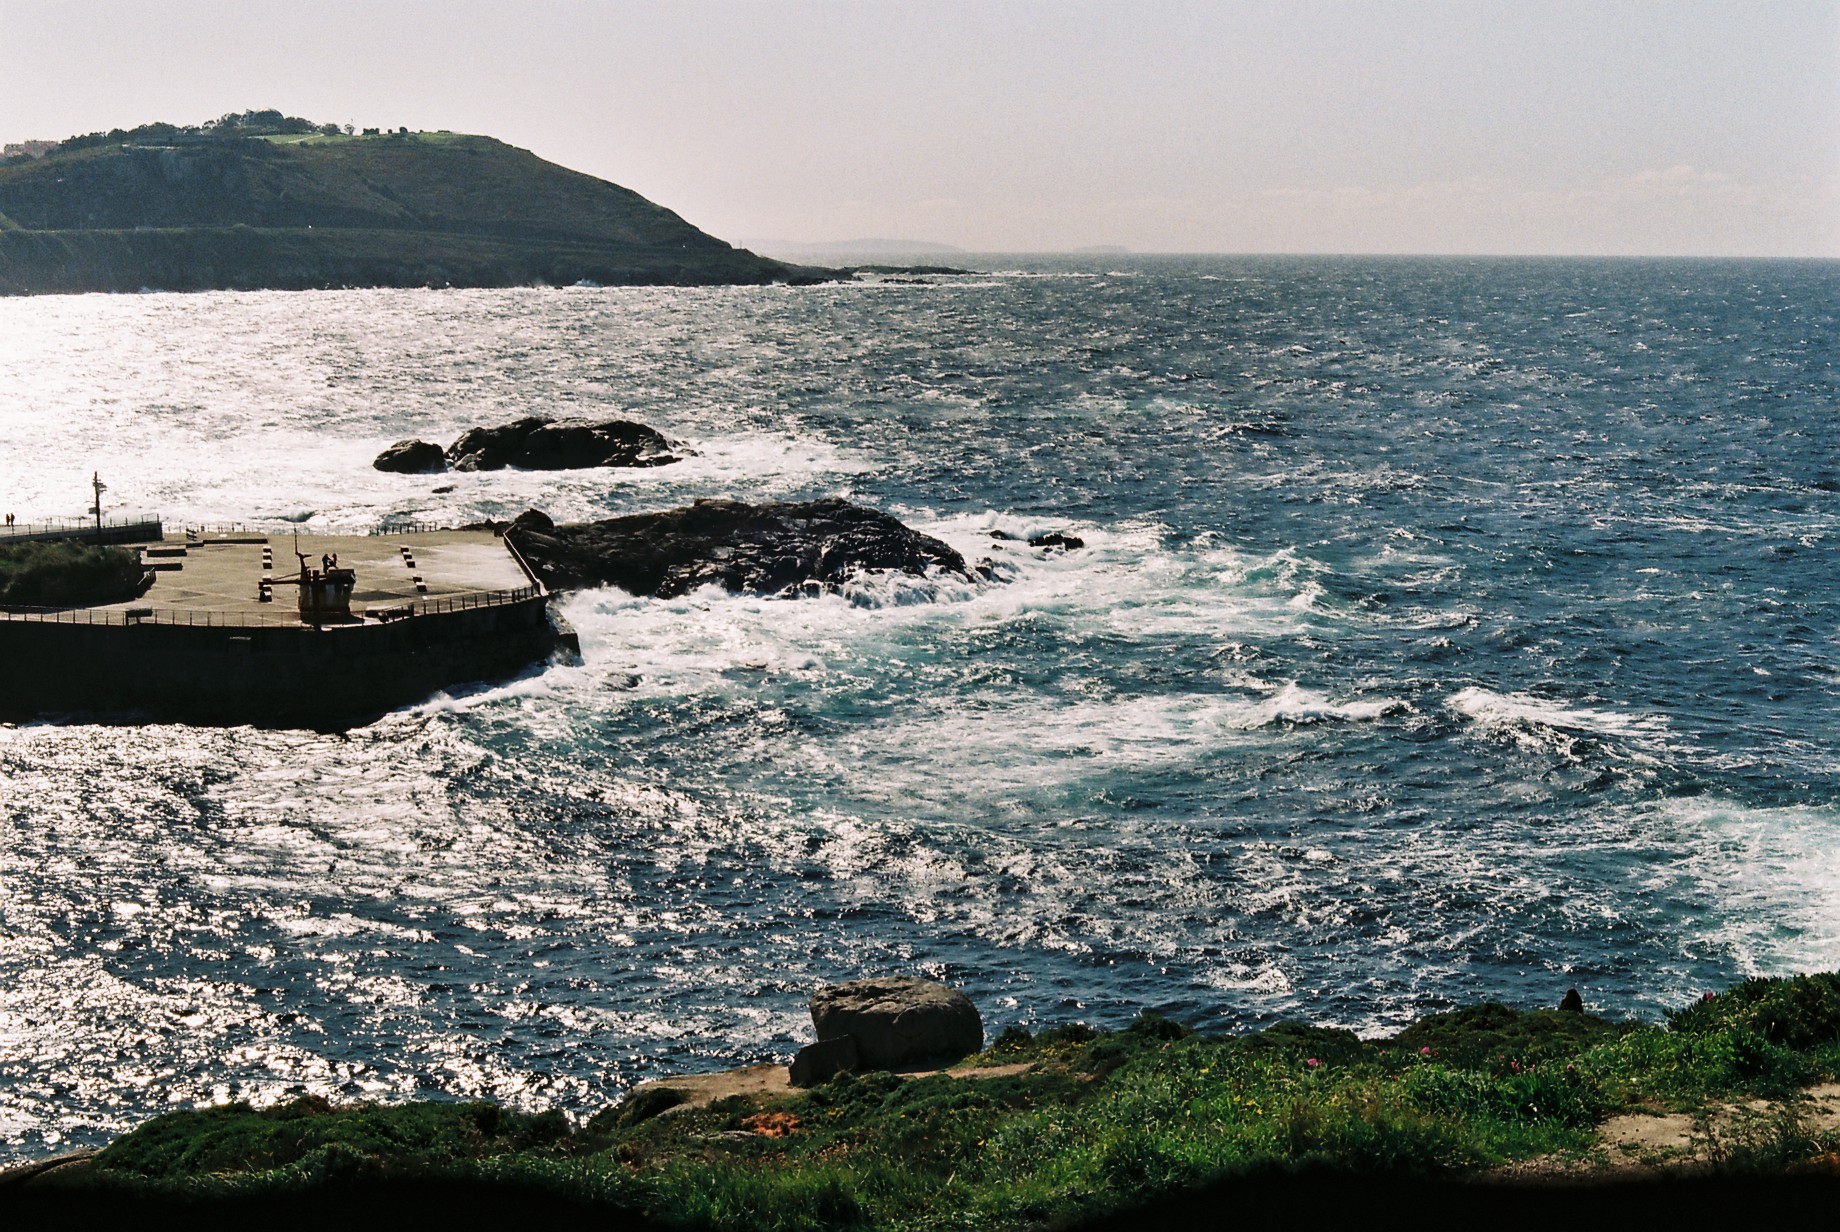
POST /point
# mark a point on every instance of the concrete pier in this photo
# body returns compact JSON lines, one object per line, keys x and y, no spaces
{"x":219,"y":636}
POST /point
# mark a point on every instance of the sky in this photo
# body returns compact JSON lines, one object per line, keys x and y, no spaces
{"x":1409,"y":126}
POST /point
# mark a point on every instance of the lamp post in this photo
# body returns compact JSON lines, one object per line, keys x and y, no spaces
{"x":95,"y":481}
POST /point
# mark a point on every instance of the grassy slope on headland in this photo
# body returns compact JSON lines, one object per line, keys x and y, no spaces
{"x":221,"y":209}
{"x":1101,"y":1123}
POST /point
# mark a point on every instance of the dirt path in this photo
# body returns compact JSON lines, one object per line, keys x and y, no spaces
{"x":1638,"y":1144}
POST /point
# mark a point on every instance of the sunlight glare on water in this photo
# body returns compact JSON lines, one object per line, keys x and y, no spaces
{"x":1442,"y":630}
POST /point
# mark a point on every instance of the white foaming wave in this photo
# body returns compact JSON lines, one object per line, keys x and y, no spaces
{"x":706,"y":641}
{"x":995,"y":746}
{"x":1126,"y":579}
{"x":1307,"y":597}
{"x":1061,"y":887}
{"x":1774,"y":873}
{"x":1296,"y":706}
{"x":1124,"y":582}
{"x":747,"y":457}
{"x":1538,"y":723}
{"x":1243,"y":977}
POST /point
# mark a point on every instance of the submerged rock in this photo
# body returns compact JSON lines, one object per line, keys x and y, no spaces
{"x":898,"y":1021}
{"x":412,"y":458}
{"x":770,"y":548}
{"x":1057,"y":539}
{"x":537,"y":444}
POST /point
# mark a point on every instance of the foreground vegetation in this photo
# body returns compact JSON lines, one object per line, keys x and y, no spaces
{"x":1098,"y":1122}
{"x":68,"y":573}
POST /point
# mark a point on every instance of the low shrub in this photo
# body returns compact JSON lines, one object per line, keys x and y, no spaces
{"x":1800,"y":1011}
{"x":1497,"y":1037}
{"x":68,"y":573}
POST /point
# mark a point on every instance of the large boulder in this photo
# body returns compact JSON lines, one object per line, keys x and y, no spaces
{"x":898,"y":1022}
{"x":537,"y":444}
{"x":412,"y":458}
{"x":773,"y":548}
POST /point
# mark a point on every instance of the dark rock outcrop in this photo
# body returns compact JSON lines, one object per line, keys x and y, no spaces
{"x":899,"y":1021}
{"x":412,"y":458}
{"x":770,"y":548}
{"x":537,"y":444}
{"x":1571,"y":1002}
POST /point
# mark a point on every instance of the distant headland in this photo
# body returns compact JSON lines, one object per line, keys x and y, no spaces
{"x":263,"y":201}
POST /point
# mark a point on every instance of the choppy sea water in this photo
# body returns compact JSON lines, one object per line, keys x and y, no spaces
{"x":1446,"y":630}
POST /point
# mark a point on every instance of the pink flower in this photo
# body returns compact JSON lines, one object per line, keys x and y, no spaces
{"x":1425,"y":1051}
{"x":1312,"y":1062}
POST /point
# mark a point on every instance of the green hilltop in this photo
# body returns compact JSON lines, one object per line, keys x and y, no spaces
{"x":264,"y":201}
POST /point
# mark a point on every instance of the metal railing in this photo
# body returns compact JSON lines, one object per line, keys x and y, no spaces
{"x":202,"y":618}
{"x":74,"y":528}
{"x":393,"y":526}
{"x":70,"y":527}
{"x":536,"y":583}
{"x":483,"y":598}
{"x":224,"y":528}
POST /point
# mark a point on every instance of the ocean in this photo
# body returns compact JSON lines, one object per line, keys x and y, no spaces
{"x":1444,"y":630}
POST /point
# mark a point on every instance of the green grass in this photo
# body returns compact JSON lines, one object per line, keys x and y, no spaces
{"x":1104,"y":1121}
{"x":68,"y":573}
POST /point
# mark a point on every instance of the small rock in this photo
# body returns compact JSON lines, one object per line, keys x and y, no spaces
{"x":647,"y":1102}
{"x":1055,"y":539}
{"x":1571,"y":1002}
{"x":534,"y":519}
{"x":1001,"y":534}
{"x":412,"y":458}
{"x":824,"y":1060}
{"x":899,"y":1021}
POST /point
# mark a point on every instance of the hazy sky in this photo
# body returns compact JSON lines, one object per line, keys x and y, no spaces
{"x":1414,"y":126}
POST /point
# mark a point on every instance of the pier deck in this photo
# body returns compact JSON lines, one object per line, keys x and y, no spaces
{"x":222,"y":573}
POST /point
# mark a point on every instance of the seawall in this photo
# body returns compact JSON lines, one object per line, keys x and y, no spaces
{"x":268,"y":676}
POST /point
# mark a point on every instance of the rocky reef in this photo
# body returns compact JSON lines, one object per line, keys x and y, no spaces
{"x":770,"y":548}
{"x":535,"y":443}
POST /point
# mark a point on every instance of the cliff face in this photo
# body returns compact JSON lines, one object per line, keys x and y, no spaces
{"x":238,"y":212}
